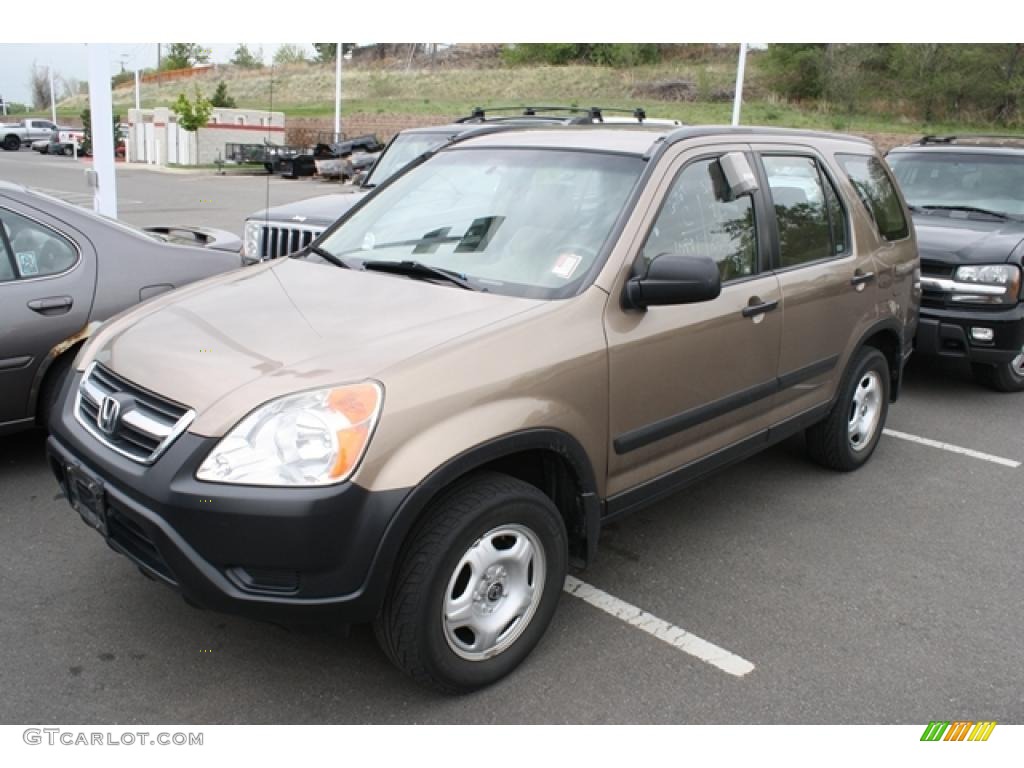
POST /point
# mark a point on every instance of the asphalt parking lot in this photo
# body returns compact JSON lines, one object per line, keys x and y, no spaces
{"x":891,"y":595}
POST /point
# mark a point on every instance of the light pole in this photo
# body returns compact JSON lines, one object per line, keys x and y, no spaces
{"x":739,"y":84}
{"x":101,"y":111}
{"x":53,"y":101}
{"x":337,"y":92}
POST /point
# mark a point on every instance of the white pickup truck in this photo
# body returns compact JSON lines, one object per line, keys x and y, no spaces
{"x":22,"y":133}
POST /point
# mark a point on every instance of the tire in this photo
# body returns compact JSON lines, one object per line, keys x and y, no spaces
{"x":69,"y":150}
{"x":1006,"y":377}
{"x":11,"y":143}
{"x":463,"y":557}
{"x":53,"y":383}
{"x":844,"y":440}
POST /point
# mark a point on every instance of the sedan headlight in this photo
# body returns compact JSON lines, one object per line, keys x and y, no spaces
{"x":996,"y":284}
{"x":310,"y":438}
{"x":251,"y":241}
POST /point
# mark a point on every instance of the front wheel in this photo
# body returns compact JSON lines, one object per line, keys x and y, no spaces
{"x":477,"y":584}
{"x":11,"y":143}
{"x":845,"y":439}
{"x":1005,"y":377}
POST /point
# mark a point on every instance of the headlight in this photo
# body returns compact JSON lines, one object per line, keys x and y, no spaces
{"x":988,"y":274}
{"x":996,"y":284}
{"x":311,"y":438}
{"x":251,"y":240}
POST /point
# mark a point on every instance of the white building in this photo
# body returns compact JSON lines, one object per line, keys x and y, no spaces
{"x":154,"y":136}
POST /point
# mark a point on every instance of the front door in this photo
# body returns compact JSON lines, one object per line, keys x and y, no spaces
{"x":689,"y":380}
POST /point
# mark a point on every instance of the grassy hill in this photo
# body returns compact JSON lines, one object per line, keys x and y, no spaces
{"x":688,"y":90}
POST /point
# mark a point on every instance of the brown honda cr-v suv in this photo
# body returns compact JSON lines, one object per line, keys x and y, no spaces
{"x":424,"y":417}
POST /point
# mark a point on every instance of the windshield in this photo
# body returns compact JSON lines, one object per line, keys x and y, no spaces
{"x":403,"y":150}
{"x":987,"y":181}
{"x":512,"y":221}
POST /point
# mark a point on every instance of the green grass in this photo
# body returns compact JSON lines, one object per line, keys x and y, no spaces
{"x":308,"y":91}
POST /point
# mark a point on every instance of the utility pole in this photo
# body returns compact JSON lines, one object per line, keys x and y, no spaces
{"x":739,"y":84}
{"x":137,"y":102}
{"x":337,"y":91}
{"x":101,"y":111}
{"x":53,"y":101}
{"x":158,"y":59}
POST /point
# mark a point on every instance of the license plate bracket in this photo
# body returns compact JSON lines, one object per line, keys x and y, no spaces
{"x":87,"y":497}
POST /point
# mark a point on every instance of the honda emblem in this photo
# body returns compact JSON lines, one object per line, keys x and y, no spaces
{"x":110,"y":409}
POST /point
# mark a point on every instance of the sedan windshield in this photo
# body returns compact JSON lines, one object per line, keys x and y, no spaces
{"x":513,"y":221}
{"x":971,"y":182}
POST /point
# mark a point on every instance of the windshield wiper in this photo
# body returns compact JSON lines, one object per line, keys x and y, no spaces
{"x":325,"y":255}
{"x":968,"y":209}
{"x":419,"y":269}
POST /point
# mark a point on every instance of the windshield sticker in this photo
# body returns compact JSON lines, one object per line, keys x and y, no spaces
{"x":369,"y":240}
{"x":27,"y":263}
{"x":565,"y":265}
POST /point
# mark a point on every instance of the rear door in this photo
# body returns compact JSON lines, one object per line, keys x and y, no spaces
{"x":689,"y":380}
{"x":47,"y":277}
{"x":827,"y":288}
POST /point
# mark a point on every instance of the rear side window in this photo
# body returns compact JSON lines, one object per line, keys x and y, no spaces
{"x":29,"y":250}
{"x":811,"y":220}
{"x":876,"y":191}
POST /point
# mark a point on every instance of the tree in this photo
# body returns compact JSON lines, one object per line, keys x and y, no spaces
{"x":85,"y":148}
{"x":247,"y":59}
{"x":289,"y":53}
{"x":39,"y":86}
{"x":184,"y":55}
{"x":221,"y":98}
{"x":193,"y":114}
{"x":326,"y":52}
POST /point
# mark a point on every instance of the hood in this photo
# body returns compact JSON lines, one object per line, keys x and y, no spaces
{"x":324,"y":210}
{"x":966,"y":241}
{"x":264,"y":332}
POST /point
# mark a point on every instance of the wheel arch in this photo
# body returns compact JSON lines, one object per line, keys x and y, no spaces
{"x":549,"y":459}
{"x":887,"y":337}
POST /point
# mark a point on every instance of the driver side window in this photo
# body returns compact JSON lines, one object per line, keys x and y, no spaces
{"x":695,"y":221}
{"x":29,"y":250}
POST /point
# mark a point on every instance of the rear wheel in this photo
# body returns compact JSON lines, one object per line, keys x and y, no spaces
{"x":11,"y":143}
{"x":845,"y":439}
{"x":476,"y":585}
{"x":1005,"y":377}
{"x":69,"y":150}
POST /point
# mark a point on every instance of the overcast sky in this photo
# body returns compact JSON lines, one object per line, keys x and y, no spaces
{"x":70,"y":61}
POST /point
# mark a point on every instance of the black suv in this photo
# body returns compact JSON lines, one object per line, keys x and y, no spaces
{"x":966,"y":194}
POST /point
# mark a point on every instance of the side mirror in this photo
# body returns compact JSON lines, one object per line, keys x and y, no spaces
{"x":674,"y":279}
{"x":738,"y":176}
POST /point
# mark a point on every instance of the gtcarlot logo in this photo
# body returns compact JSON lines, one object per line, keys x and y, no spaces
{"x":69,"y":738}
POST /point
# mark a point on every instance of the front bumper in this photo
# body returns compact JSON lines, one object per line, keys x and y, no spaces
{"x":278,"y":554}
{"x":947,"y":332}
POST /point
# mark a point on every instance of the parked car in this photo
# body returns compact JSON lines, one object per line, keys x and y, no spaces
{"x":426,"y":416}
{"x":14,"y":136}
{"x":285,"y":229}
{"x":63,"y":271}
{"x":966,"y":194}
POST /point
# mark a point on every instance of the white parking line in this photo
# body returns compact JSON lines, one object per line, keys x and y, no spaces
{"x":953,"y":448}
{"x":652,"y":625}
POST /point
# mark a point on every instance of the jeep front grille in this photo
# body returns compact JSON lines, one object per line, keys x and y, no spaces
{"x":282,"y":239}
{"x":127,"y":418}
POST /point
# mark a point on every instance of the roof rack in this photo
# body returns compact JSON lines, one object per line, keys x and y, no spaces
{"x":595,"y":114}
{"x":969,"y":137}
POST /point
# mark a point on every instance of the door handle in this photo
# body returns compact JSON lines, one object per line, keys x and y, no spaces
{"x":757,"y":307}
{"x":861,"y":278}
{"x":52,"y":305}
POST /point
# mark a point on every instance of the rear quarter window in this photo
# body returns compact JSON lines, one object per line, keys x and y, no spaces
{"x":878,"y":194}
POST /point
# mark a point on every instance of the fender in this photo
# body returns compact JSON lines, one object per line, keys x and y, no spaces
{"x":58,"y":349}
{"x":411,"y":508}
{"x":903,"y":352}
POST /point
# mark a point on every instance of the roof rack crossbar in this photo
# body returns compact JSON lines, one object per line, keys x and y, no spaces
{"x":595,"y":113}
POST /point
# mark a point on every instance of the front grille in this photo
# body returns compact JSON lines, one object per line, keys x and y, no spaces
{"x":283,"y":239}
{"x":936,"y":269}
{"x":133,"y":421}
